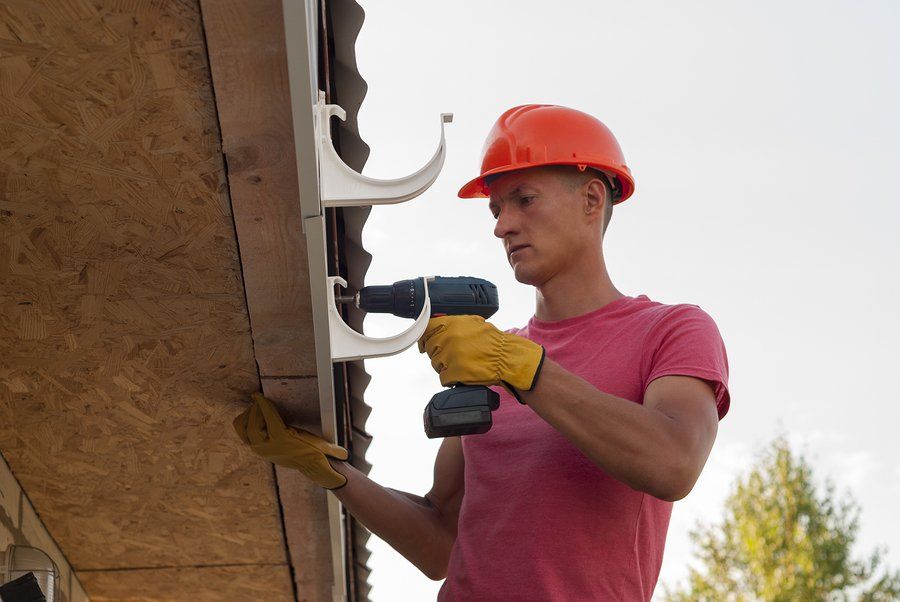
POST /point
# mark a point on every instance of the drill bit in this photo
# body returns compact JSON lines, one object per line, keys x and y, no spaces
{"x":354,"y":299}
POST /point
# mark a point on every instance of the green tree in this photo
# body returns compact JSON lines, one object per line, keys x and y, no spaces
{"x":781,"y":540}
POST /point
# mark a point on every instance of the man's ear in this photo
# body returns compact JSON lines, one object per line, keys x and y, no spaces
{"x":594,"y":199}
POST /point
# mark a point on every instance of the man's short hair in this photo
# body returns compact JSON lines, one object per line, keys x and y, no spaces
{"x":575,"y":177}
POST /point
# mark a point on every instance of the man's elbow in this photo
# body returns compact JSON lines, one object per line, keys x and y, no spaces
{"x":676,"y":485}
{"x":434,"y":565}
{"x":437,"y":575}
{"x":435,"y":570}
{"x":673,"y":495}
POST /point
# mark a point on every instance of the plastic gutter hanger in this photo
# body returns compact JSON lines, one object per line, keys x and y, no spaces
{"x":341,"y":186}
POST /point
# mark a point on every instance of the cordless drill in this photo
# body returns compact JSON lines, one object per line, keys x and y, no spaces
{"x":462,"y":409}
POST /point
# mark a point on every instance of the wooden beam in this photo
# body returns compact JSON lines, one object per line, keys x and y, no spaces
{"x":245,"y":41}
{"x":249,"y":67}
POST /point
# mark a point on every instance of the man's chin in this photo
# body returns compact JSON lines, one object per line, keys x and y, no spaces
{"x":525,"y":276}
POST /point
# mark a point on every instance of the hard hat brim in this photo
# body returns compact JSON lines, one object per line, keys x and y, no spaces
{"x":477,"y":189}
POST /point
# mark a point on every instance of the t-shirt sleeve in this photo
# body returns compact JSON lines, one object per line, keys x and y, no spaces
{"x":687,"y":342}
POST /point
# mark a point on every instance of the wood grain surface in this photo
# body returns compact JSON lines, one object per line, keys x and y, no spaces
{"x":249,"y":69}
{"x":250,"y":79}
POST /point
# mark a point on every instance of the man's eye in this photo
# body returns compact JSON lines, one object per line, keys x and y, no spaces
{"x":526,"y":199}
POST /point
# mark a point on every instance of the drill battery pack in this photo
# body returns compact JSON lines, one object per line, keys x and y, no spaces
{"x":460,"y":410}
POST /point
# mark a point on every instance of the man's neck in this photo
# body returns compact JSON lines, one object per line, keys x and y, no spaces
{"x":572,"y":294}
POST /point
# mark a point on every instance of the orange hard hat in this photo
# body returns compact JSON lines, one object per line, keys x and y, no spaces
{"x":535,"y":135}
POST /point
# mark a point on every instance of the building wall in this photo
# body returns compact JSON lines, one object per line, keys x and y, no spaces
{"x":20,"y":525}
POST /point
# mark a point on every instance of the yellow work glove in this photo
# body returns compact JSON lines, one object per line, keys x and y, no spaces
{"x":468,"y":350}
{"x":261,"y":427}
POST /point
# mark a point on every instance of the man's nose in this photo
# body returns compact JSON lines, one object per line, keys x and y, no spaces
{"x":505,"y":224}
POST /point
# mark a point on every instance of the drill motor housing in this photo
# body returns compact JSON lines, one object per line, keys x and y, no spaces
{"x":450,"y":296}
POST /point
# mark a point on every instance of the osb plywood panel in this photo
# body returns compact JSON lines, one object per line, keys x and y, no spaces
{"x":124,"y":336}
{"x":249,"y":69}
{"x":225,"y":584}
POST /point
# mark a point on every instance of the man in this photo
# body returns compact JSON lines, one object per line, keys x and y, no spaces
{"x":609,"y":403}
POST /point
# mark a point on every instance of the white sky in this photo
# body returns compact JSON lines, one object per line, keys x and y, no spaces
{"x":763,"y":137}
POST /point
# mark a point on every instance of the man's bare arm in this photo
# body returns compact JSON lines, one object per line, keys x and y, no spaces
{"x":659,"y":447}
{"x":422,"y":529}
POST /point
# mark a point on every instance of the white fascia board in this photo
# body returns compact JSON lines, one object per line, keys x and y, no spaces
{"x":301,"y":43}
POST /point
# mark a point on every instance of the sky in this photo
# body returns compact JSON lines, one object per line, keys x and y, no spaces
{"x":764,"y":139}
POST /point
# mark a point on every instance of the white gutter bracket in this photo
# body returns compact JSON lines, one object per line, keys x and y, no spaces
{"x":348,"y":345}
{"x":324,"y":180}
{"x":341,"y":186}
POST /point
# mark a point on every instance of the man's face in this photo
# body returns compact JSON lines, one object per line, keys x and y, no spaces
{"x":541,"y":221}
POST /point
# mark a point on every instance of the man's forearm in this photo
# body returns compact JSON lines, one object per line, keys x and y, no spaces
{"x":409,"y":523}
{"x":632,"y":443}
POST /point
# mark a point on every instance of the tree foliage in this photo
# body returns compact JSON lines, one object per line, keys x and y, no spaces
{"x":781,"y":540}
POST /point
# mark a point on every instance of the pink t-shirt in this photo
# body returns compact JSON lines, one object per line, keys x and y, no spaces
{"x":538,"y":520}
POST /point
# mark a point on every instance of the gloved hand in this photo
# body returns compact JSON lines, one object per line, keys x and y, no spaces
{"x":468,"y":350}
{"x":261,"y":427}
